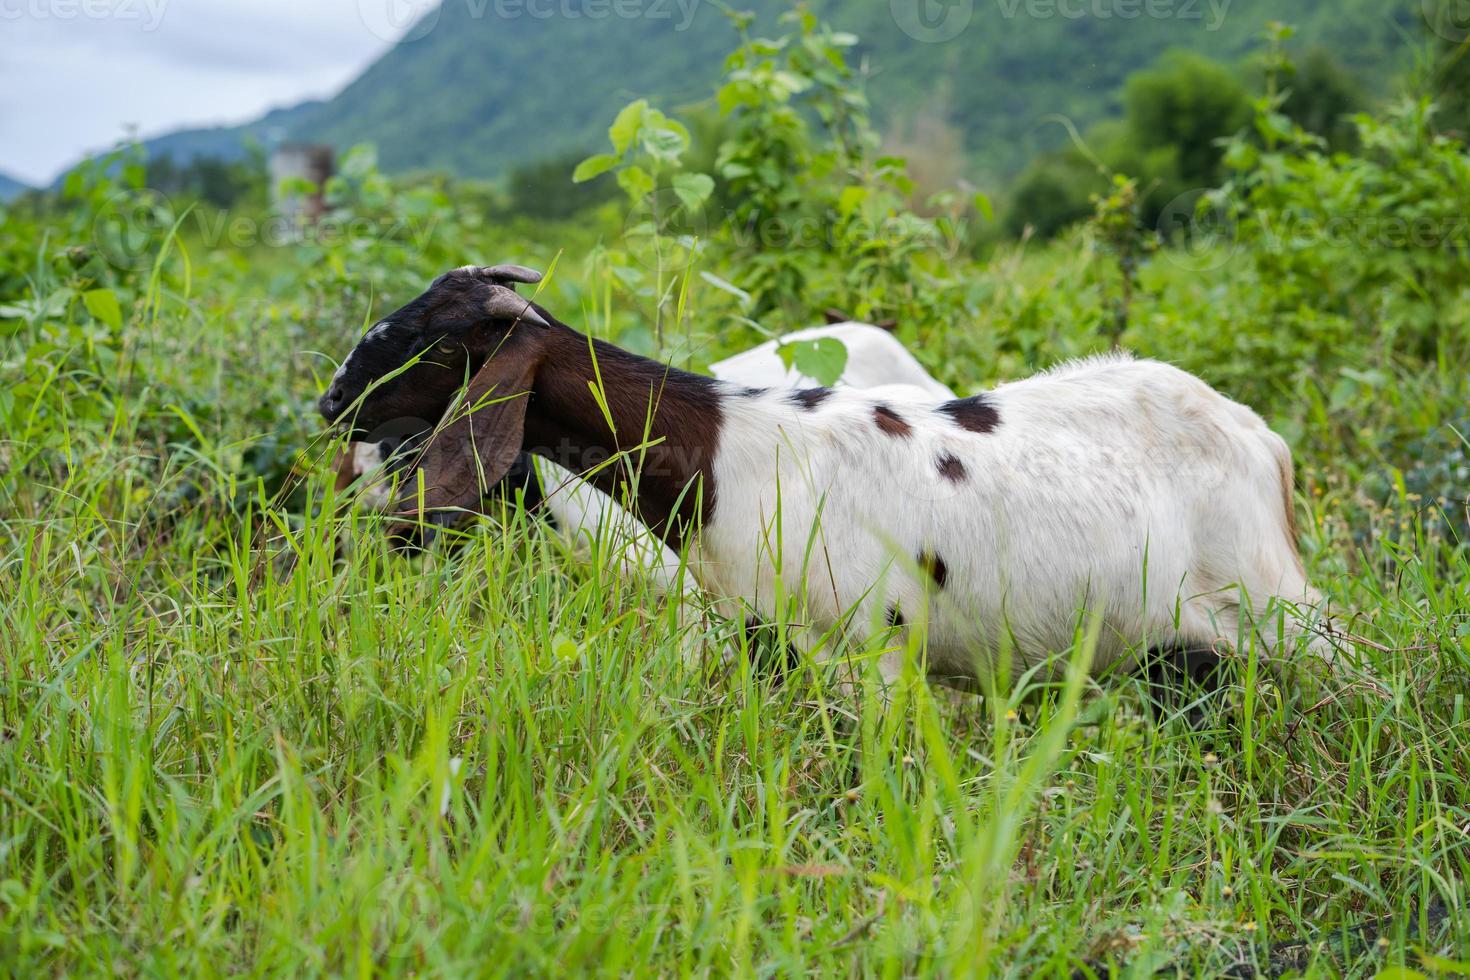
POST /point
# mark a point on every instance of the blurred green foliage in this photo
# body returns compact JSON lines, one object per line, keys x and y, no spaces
{"x":211,"y":180}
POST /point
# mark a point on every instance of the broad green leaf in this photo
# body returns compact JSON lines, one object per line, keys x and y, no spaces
{"x":693,"y":190}
{"x":625,"y":126}
{"x":665,"y":142}
{"x":791,"y":82}
{"x":594,"y":166}
{"x":635,"y":181}
{"x":103,"y":304}
{"x":787,"y":353}
{"x":823,"y":359}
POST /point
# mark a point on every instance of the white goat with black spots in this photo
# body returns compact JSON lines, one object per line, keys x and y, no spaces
{"x":1124,"y":489}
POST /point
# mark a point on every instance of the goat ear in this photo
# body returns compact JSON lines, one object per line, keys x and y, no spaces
{"x":504,"y":304}
{"x":476,"y":444}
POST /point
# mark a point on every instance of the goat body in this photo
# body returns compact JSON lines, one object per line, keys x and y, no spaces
{"x":1125,"y":489}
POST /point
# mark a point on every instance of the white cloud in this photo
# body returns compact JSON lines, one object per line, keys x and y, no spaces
{"x":77,"y":73}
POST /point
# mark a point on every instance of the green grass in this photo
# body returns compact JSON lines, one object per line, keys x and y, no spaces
{"x":226,"y":748}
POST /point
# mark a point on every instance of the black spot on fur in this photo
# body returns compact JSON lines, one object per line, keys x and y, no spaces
{"x":895,"y":615}
{"x":951,"y":468}
{"x":935,"y":567}
{"x":975,"y":414}
{"x":810,"y":398}
{"x":754,"y":392}
{"x":889,"y":422}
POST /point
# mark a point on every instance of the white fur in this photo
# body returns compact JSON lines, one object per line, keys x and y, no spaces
{"x":590,"y":518}
{"x":367,"y":458}
{"x":1127,"y":488}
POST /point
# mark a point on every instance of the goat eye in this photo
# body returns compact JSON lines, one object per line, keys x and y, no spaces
{"x":446,"y":348}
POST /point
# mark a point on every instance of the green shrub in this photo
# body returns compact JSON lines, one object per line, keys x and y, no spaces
{"x":1053,"y":193}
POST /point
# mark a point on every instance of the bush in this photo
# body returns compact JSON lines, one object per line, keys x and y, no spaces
{"x":544,"y":191}
{"x":1322,"y":98}
{"x":1052,"y":194}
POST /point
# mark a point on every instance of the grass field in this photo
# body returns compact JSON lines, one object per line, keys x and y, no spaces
{"x":226,"y":748}
{"x":229,"y":744}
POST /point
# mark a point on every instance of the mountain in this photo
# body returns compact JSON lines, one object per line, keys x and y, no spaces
{"x":232,"y":142}
{"x":10,"y":187}
{"x":479,"y":86}
{"x":227,"y":143}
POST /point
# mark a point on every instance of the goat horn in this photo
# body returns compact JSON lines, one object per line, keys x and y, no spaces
{"x":510,"y":273}
{"x":504,"y":304}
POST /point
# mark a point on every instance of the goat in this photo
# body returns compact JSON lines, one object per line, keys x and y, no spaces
{"x":584,"y":515}
{"x":1123,"y":487}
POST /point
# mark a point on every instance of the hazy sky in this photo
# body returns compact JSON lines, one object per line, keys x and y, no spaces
{"x":75,"y":73}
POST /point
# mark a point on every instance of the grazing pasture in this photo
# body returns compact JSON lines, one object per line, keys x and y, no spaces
{"x":228,"y":743}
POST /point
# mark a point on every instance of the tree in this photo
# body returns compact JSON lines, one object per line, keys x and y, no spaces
{"x":544,"y":189}
{"x":1188,"y":103}
{"x":1322,"y":97}
{"x":1450,"y":71}
{"x":1053,"y":193}
{"x":220,"y":182}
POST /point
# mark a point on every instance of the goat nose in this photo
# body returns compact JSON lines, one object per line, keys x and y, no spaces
{"x":330,"y":404}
